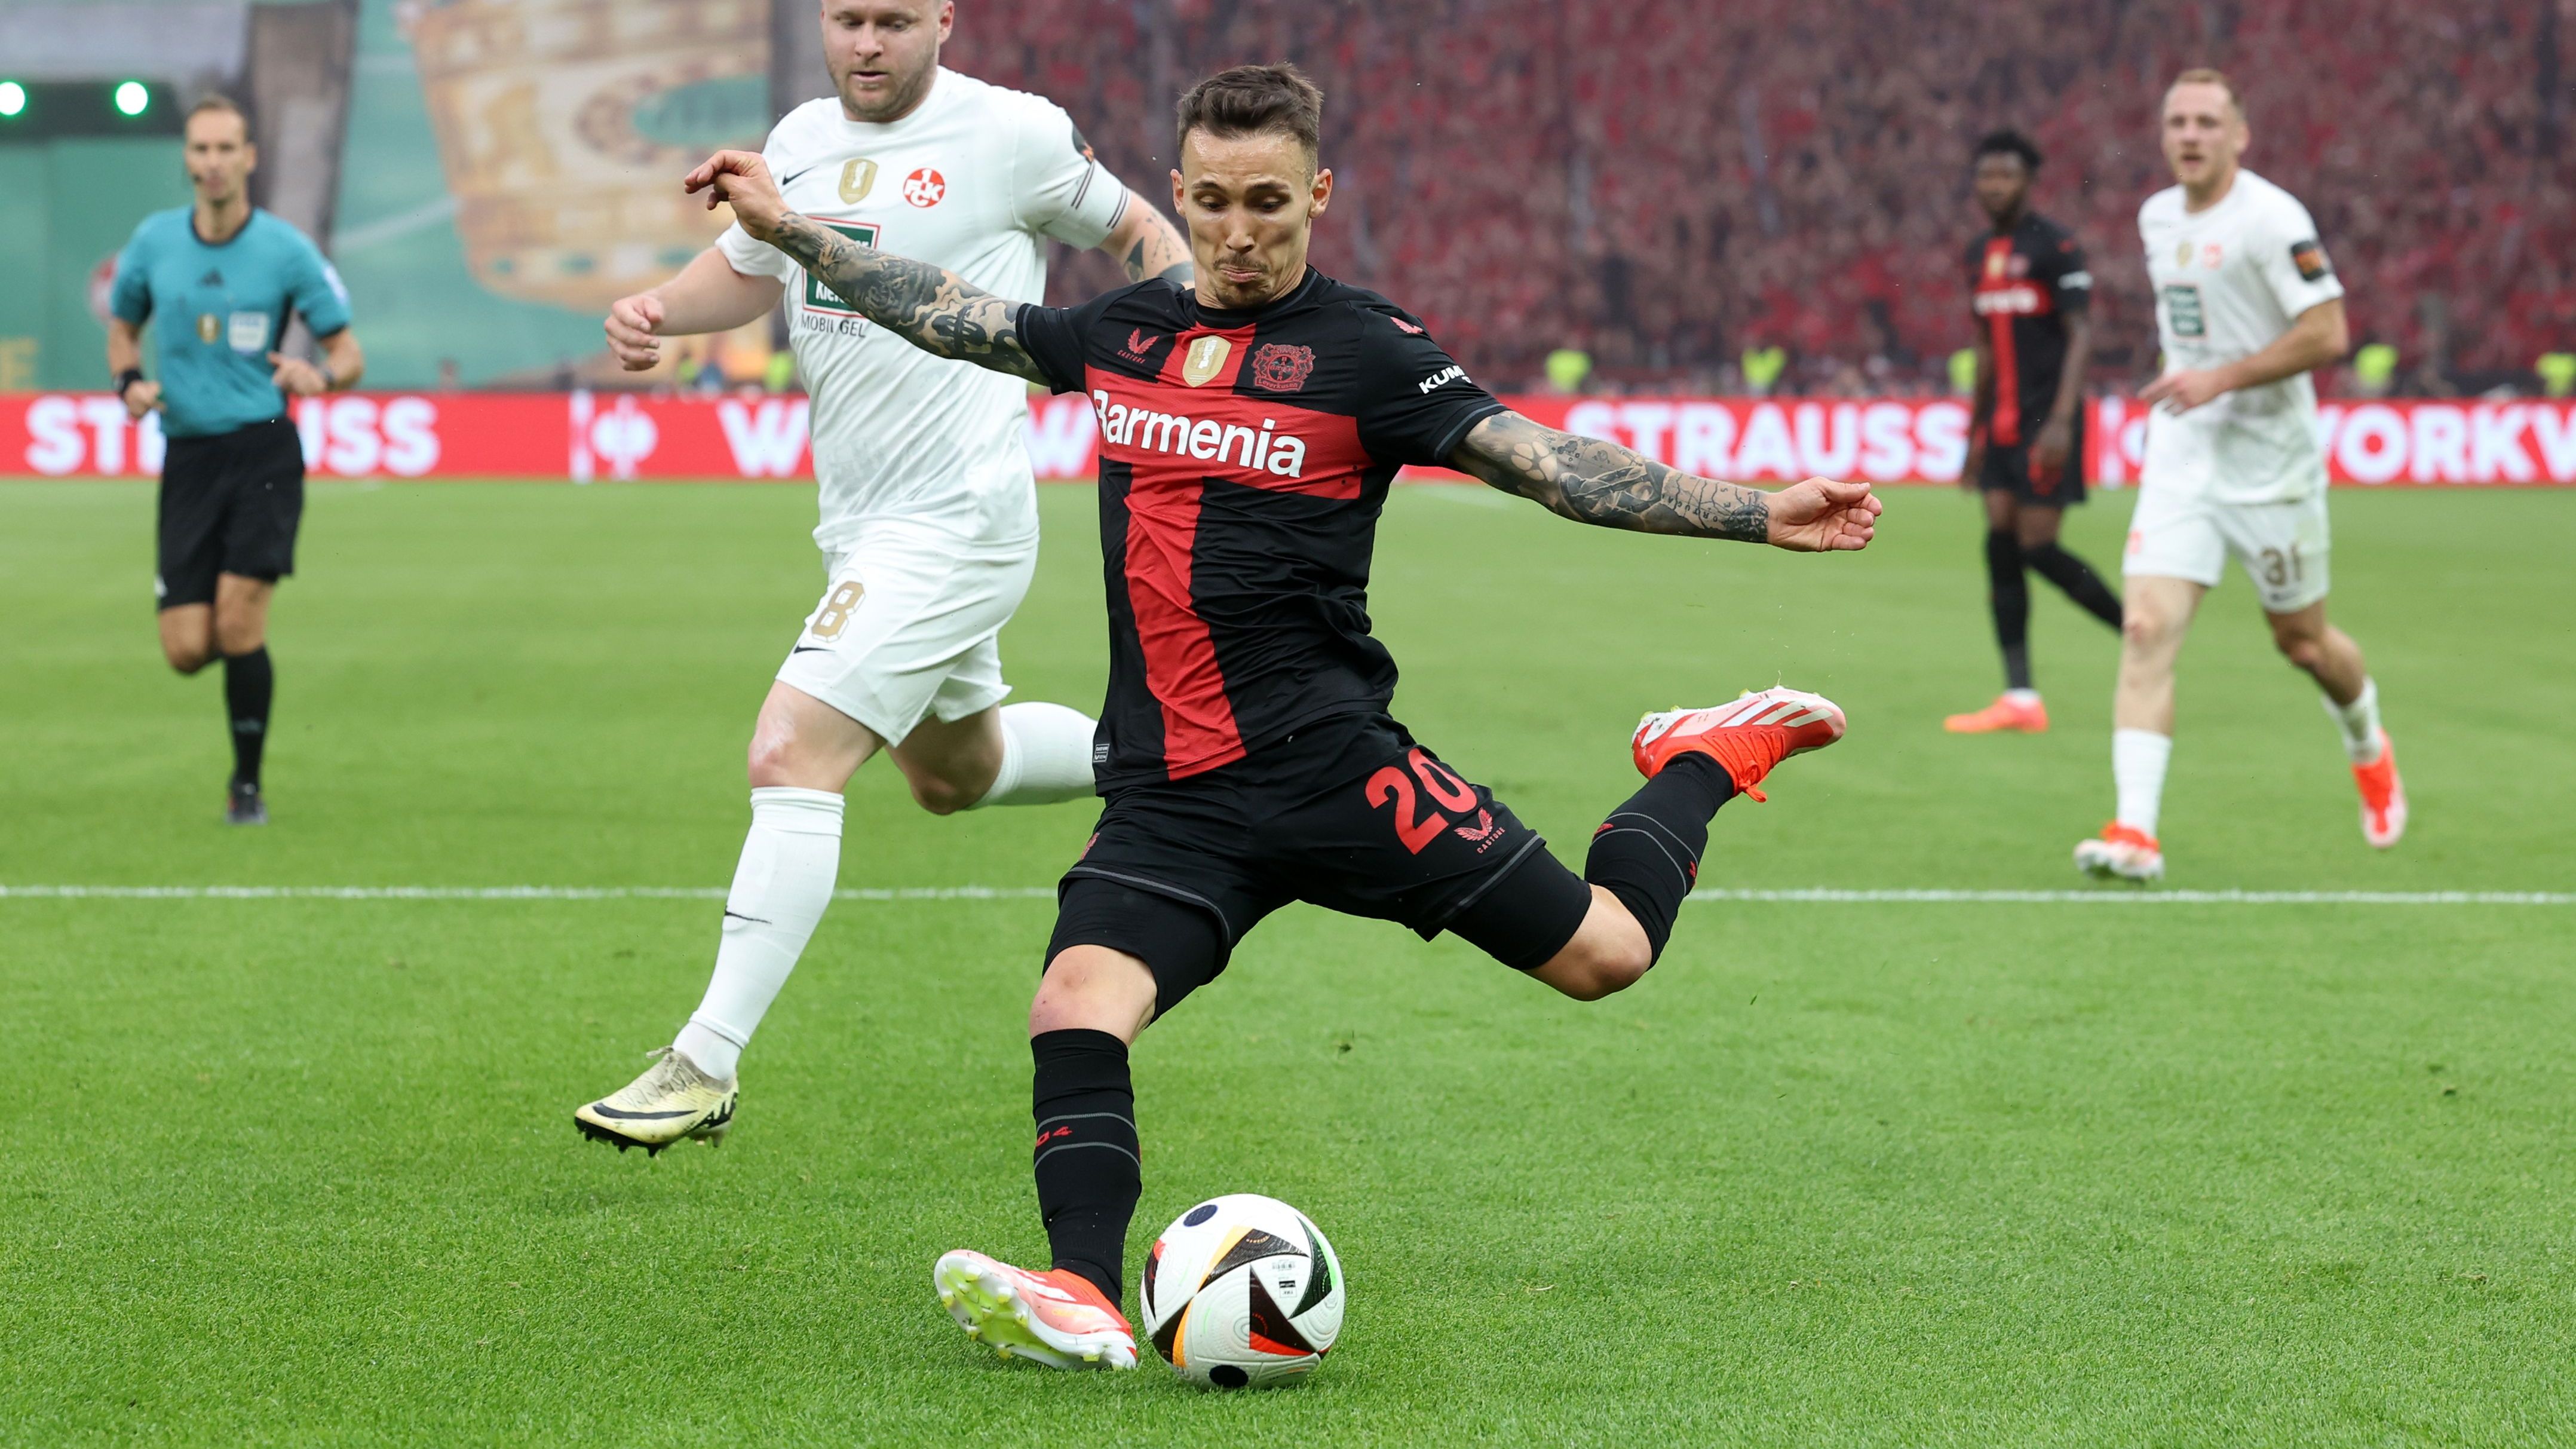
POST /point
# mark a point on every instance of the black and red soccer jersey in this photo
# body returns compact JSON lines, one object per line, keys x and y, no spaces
{"x":2022,"y":285}
{"x":1244,"y":460}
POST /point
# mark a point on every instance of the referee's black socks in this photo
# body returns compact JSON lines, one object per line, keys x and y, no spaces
{"x":248,"y":684}
{"x":1647,"y":853}
{"x":1088,"y":1169}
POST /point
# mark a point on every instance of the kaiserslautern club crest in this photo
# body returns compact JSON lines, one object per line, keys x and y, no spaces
{"x":1281,"y":366}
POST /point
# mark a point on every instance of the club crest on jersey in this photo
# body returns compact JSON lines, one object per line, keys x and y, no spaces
{"x":1205,"y":359}
{"x":1282,"y":366}
{"x":858,"y":177}
{"x":924,"y":187}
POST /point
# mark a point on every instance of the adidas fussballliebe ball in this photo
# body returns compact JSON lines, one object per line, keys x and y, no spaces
{"x":1242,"y":1290}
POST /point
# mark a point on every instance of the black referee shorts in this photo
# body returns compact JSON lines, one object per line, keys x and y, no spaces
{"x":230,"y":504}
{"x":1349,"y":814}
{"x":2009,"y":470}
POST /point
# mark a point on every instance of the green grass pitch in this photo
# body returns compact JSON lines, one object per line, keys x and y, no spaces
{"x":301,"y":1171}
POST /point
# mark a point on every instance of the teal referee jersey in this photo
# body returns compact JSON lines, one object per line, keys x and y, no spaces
{"x":217,"y":311}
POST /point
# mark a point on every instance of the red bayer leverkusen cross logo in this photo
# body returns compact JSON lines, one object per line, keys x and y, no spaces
{"x":1281,"y":366}
{"x":924,"y":187}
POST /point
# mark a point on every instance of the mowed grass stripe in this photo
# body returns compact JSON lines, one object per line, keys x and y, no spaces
{"x":1817,"y":896}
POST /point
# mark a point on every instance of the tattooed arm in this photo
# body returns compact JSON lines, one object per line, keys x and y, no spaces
{"x":932,"y":308}
{"x":1591,"y":481}
{"x":1147,"y":244}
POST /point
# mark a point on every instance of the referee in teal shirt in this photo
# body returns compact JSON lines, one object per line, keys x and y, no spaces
{"x":217,"y":283}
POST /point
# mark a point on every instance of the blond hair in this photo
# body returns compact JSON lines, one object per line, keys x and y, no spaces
{"x":2201,"y":75}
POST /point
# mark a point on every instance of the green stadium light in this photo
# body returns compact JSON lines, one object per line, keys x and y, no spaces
{"x":133,"y":98}
{"x":13,"y":100}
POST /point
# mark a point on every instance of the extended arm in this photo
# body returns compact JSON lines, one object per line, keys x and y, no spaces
{"x":2317,"y":339}
{"x":932,"y":308}
{"x":1591,"y":481}
{"x":707,"y":296}
{"x":1147,"y":244}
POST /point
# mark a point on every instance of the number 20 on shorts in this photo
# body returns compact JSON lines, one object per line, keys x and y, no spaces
{"x":1392,"y":786}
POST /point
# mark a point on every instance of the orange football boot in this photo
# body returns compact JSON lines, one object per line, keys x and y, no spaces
{"x":1746,"y":738}
{"x":1056,"y":1318}
{"x":2383,"y":796}
{"x":2006,"y":713}
{"x":2123,"y":851}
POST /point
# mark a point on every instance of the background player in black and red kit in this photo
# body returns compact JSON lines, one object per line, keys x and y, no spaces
{"x":1250,"y":427}
{"x":2031,"y":296}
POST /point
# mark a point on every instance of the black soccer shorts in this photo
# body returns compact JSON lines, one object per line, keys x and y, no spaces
{"x":2008,"y":469}
{"x":230,"y":504}
{"x":1349,"y":814}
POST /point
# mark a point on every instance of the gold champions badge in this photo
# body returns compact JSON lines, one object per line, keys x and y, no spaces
{"x":1205,"y":360}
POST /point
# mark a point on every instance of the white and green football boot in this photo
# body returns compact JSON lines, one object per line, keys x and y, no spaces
{"x":671,"y":1101}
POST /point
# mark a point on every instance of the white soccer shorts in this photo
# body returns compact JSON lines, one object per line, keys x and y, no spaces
{"x":2285,"y":548}
{"x":908,"y":626}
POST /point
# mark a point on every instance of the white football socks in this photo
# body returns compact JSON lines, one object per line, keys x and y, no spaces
{"x":790,"y":861}
{"x":2138,"y":760}
{"x":1046,"y":756}
{"x":2359,"y":722}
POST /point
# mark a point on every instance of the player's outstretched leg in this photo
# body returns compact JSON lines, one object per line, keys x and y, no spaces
{"x":1646,"y":855}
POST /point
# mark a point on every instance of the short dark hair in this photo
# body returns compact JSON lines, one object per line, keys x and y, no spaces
{"x":1250,"y":100}
{"x":217,"y":103}
{"x":2007,"y":143}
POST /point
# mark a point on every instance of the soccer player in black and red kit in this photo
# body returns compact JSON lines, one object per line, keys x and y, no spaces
{"x":1250,"y":426}
{"x":2031,"y":296}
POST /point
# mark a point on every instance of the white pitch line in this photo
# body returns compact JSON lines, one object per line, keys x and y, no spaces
{"x":1818,"y":896}
{"x":491,"y":893}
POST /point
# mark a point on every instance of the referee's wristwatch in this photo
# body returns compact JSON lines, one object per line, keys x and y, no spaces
{"x":126,"y":380}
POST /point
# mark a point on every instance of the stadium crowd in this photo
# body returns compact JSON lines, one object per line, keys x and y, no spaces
{"x":1667,"y":184}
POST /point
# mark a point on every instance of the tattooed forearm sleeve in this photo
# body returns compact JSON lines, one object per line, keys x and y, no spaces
{"x":936,"y":310}
{"x":1591,"y":481}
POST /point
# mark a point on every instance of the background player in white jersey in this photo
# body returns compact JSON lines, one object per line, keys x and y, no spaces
{"x":2247,"y":305}
{"x":929,"y":519}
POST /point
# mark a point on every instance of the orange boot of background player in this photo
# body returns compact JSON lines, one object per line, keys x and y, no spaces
{"x":2014,"y":709}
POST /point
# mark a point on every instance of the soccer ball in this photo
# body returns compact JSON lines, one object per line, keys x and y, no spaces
{"x":1242,"y":1290}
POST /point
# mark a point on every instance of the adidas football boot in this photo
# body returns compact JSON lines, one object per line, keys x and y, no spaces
{"x":1055,"y":1318}
{"x":2123,"y":852}
{"x":672,"y":1100}
{"x":1746,"y":738}
{"x":2024,"y":713}
{"x":2383,"y":796}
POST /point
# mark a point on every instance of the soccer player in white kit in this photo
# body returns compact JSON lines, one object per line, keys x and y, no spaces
{"x":929,"y":522}
{"x":2246,"y":306}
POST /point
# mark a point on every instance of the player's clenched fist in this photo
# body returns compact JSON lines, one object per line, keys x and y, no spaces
{"x":1823,"y":516}
{"x":634,"y":325}
{"x":741,"y":179}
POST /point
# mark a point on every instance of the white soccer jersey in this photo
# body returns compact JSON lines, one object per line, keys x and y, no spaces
{"x":975,"y":180}
{"x":2229,"y":281}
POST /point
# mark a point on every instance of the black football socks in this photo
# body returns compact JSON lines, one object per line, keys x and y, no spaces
{"x":2009,"y":593}
{"x":2077,"y":579}
{"x":249,"y":683}
{"x":1087,"y":1164}
{"x":1647,"y":853}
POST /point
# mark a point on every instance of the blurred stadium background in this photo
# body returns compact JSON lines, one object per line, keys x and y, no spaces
{"x":1756,"y":197}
